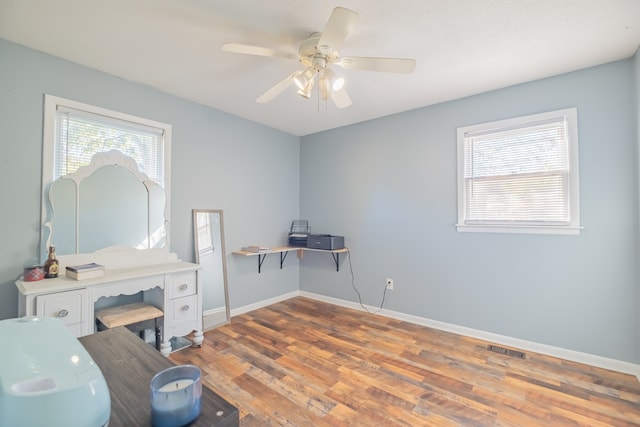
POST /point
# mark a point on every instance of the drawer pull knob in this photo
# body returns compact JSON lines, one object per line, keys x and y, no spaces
{"x":184,"y":287}
{"x":63,"y":313}
{"x":185,"y":307}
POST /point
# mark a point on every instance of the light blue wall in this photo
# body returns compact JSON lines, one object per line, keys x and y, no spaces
{"x":218,"y":162}
{"x":389,"y":186}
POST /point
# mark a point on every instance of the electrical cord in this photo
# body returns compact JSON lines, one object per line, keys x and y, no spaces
{"x":353,"y":285}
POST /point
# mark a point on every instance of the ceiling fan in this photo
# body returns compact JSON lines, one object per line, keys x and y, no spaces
{"x":317,"y":53}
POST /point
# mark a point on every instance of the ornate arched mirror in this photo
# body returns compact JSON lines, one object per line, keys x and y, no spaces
{"x":107,"y":203}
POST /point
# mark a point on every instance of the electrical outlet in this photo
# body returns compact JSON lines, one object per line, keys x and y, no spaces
{"x":390,"y":284}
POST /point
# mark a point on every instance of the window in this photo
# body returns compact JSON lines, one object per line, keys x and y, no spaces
{"x":74,"y":132}
{"x":520,"y":175}
{"x":205,"y":242}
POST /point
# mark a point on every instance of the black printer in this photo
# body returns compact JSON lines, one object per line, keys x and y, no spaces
{"x":325,"y":241}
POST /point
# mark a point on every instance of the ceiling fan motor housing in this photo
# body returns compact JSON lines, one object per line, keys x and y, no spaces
{"x":318,"y":57}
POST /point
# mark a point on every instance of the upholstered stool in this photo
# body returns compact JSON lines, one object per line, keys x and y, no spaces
{"x":133,"y":316}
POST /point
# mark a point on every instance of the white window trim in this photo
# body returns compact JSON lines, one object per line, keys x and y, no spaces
{"x":51,"y":104}
{"x":573,"y":227}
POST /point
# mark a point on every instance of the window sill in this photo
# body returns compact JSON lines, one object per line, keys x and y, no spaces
{"x":520,"y":229}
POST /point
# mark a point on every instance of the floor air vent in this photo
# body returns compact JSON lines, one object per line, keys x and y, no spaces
{"x":506,"y":351}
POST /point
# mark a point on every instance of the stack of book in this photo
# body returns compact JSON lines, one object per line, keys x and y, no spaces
{"x":256,"y":249}
{"x":84,"y":271}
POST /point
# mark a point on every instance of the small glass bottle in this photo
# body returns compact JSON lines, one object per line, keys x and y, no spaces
{"x":51,"y":266}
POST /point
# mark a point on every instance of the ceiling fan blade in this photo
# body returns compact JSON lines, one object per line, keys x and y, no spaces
{"x":387,"y":65}
{"x":341,"y":98}
{"x":256,"y":50}
{"x":277,"y":89}
{"x":337,"y":28}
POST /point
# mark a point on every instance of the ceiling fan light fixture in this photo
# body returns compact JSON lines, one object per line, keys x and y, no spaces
{"x":331,"y":82}
{"x":305,"y":94}
{"x":323,"y":86}
{"x":300,"y":81}
{"x":337,"y":83}
{"x":303,"y":78}
{"x":306,"y":91}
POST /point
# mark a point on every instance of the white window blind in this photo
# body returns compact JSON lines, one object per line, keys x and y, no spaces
{"x":519,"y":173}
{"x":81,"y":134}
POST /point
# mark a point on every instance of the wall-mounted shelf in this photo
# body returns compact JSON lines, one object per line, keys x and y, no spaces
{"x":284,"y":251}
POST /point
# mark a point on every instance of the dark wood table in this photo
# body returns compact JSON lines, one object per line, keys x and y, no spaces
{"x":128,"y":364}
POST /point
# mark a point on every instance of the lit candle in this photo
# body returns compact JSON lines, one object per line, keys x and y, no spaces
{"x":175,"y":396}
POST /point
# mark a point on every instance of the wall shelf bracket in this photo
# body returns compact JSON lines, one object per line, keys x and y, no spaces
{"x":283,"y":256}
{"x":261,"y":258}
{"x":336,"y":259}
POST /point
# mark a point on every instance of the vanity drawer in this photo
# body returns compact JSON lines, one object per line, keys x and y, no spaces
{"x":184,"y":308}
{"x":182,"y":284}
{"x":67,"y":306}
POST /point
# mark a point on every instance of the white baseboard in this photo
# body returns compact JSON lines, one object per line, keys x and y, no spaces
{"x":263,"y":303}
{"x":574,"y":356}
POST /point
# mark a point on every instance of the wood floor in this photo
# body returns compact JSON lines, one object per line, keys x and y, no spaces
{"x":307,"y":363}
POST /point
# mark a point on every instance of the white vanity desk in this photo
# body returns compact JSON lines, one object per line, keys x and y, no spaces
{"x":165,"y":282}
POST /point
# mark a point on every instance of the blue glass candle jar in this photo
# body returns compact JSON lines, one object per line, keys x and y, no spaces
{"x":175,"y":396}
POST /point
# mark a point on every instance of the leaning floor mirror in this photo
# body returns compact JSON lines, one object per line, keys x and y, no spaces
{"x":208,"y":228}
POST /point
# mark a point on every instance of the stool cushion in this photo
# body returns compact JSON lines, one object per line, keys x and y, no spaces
{"x":128,"y":314}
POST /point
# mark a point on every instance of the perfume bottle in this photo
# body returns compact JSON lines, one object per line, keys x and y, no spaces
{"x":51,"y":266}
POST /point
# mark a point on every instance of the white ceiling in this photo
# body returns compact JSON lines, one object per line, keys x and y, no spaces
{"x":462,"y":47}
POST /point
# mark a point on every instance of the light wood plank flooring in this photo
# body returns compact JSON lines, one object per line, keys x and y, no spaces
{"x":303,"y":362}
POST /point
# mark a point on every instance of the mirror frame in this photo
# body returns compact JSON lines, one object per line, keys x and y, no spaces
{"x":99,"y":161}
{"x":221,"y":253}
